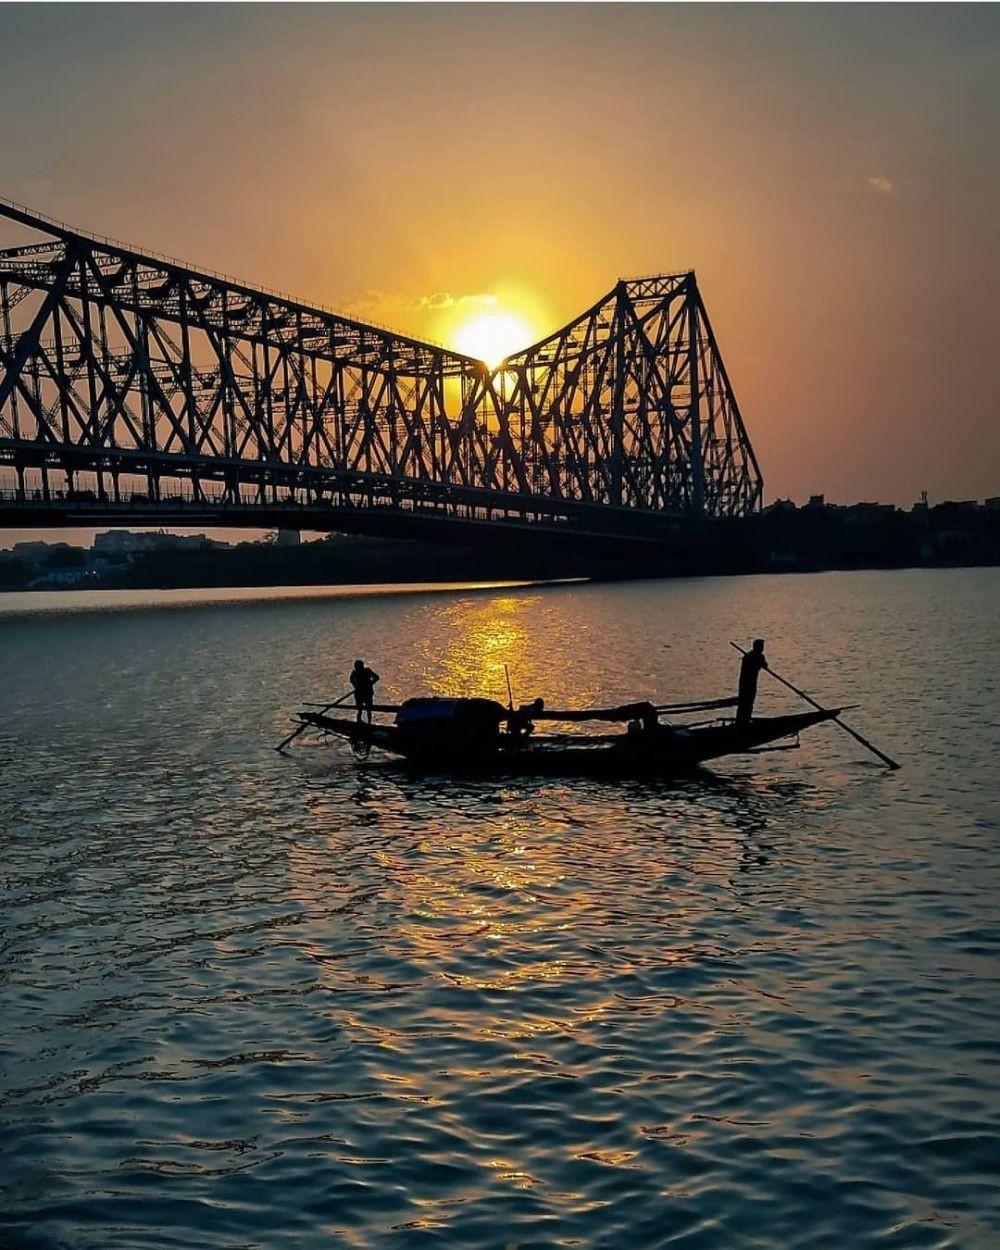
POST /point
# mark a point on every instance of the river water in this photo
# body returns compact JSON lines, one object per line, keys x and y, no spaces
{"x":252,"y":1002}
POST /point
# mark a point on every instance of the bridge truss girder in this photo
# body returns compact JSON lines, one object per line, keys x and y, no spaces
{"x":135,"y":374}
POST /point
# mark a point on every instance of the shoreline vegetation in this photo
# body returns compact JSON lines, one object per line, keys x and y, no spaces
{"x":783,"y":538}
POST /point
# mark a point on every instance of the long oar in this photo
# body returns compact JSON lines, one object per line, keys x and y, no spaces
{"x":836,"y":719}
{"x":326,"y":708}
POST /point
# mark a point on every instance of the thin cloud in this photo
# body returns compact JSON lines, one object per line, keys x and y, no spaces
{"x":440,"y":299}
{"x":395,"y":308}
{"x":882,"y":185}
{"x":366,"y":305}
{"x":444,"y":299}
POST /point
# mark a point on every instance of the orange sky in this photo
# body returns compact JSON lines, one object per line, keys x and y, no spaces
{"x":829,"y":171}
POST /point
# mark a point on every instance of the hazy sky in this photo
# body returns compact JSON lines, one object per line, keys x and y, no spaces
{"x":830,"y":172}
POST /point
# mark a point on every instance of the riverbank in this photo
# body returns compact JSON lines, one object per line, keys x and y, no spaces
{"x":816,"y":538}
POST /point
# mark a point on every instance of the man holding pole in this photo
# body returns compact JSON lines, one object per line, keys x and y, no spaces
{"x":751,"y":686}
{"x":363,"y":680}
{"x":751,"y":664}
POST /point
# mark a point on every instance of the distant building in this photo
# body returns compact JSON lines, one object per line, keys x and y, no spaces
{"x":36,"y":553}
{"x":124,"y":543}
{"x":288,"y":538}
{"x":32,"y":553}
{"x":127,"y":543}
{"x":817,"y":501}
{"x":961,"y":507}
{"x":870,"y":512}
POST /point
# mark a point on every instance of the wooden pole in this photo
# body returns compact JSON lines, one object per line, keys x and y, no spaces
{"x":301,"y":729}
{"x":891,"y":763}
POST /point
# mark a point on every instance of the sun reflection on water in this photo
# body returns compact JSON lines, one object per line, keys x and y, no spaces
{"x":508,"y":1012}
{"x":483,"y":636}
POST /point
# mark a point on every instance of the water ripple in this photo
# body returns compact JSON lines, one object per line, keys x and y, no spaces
{"x":252,"y":1002}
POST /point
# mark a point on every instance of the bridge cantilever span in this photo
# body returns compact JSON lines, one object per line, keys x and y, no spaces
{"x":133,"y":386}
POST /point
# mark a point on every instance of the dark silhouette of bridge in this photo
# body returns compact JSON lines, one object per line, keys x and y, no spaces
{"x":135,"y":389}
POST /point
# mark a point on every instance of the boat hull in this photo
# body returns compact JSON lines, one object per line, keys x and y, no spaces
{"x":662,"y":751}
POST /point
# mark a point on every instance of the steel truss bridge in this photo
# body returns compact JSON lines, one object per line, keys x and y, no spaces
{"x":134,"y":389}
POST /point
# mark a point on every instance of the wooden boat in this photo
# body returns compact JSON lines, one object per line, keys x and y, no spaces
{"x":482,"y":736}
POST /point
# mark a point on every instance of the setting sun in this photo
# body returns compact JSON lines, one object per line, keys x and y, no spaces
{"x":493,"y":336}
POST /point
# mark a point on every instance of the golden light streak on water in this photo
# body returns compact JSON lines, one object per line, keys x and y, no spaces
{"x":263,"y":1001}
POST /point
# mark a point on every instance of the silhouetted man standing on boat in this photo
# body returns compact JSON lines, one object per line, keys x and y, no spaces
{"x":753,"y":661}
{"x":363,"y":680}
